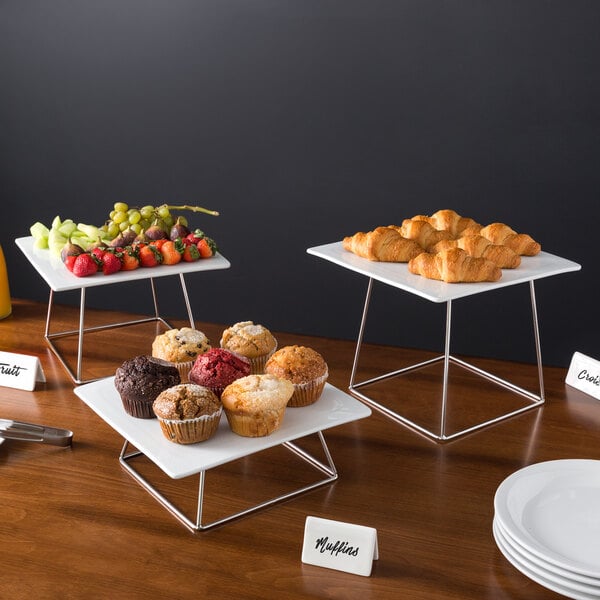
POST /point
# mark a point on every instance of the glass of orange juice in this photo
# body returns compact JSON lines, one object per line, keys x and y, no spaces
{"x":5,"y":304}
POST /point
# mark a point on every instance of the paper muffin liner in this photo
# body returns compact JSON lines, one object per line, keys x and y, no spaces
{"x":258,"y":424}
{"x":309,"y":392}
{"x":191,"y":431}
{"x":184,"y":369}
{"x":141,"y":409}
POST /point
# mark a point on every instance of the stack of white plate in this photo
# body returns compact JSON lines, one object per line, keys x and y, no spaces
{"x":547,"y":525}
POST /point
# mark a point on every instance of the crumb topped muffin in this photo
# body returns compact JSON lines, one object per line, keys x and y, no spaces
{"x":304,"y":367}
{"x":255,"y":404}
{"x":252,"y":340}
{"x":188,"y":413}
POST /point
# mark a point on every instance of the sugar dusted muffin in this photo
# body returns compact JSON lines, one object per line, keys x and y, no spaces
{"x":188,"y":413}
{"x":305,"y":368}
{"x":251,"y":340}
{"x":217,"y":368}
{"x":140,"y":380}
{"x":180,"y":347}
{"x":255,"y":404}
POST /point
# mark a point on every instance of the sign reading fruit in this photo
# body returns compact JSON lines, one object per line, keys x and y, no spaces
{"x":131,"y":238}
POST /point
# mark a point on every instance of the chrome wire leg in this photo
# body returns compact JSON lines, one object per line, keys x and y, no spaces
{"x":446,"y":369}
{"x":328,"y":469}
{"x":77,"y":375}
{"x":536,"y":334}
{"x":534,"y":400}
{"x":361,"y":332}
{"x":187,"y":301}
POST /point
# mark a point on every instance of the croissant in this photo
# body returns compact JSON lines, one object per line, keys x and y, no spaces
{"x":448,"y":220}
{"x":422,"y":232}
{"x":453,"y":266}
{"x":521,"y":243}
{"x":382,"y":244}
{"x":478,"y":246}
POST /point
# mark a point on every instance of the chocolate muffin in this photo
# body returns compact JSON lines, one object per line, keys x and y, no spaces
{"x":140,"y":380}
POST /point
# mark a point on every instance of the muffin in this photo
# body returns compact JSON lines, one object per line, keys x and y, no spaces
{"x":305,"y":368}
{"x":180,"y":347}
{"x":217,"y":368}
{"x":188,"y":413}
{"x":140,"y":380}
{"x":255,"y":404}
{"x":255,"y":342}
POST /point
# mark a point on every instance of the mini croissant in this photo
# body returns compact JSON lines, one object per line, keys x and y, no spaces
{"x":454,"y":266}
{"x":425,"y":234}
{"x":448,"y":220}
{"x":382,"y":244}
{"x":478,"y":246}
{"x":521,"y":243}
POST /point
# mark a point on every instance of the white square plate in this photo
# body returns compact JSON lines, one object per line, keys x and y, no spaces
{"x":176,"y":460}
{"x":398,"y":275}
{"x":59,"y":279}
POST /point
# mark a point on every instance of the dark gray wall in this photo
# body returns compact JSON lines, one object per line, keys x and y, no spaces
{"x":302,"y":122}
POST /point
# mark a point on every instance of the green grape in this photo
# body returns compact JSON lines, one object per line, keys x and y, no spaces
{"x":120,"y":217}
{"x":136,"y":227}
{"x":144,"y":224}
{"x":121,"y":207}
{"x":147,"y":212}
{"x":123,"y":226}
{"x":164,"y":212}
{"x":113,"y":229}
{"x":168,"y":221}
{"x":111,"y":214}
{"x":134,"y":216}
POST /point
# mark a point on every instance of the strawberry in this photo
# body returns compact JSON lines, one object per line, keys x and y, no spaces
{"x":150,"y":256}
{"x":207,"y":247}
{"x":97,"y":254}
{"x":158,"y":244}
{"x":171,"y":252}
{"x":110,"y":263}
{"x":84,"y":265}
{"x":190,"y":253}
{"x":130,"y":259}
{"x":69,"y":261}
{"x":195,"y":236}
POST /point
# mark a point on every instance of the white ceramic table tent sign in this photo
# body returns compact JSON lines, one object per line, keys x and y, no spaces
{"x":584,"y":374}
{"x":20,"y":371}
{"x":341,"y":546}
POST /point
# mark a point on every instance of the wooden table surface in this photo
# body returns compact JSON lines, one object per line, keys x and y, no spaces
{"x":74,"y":524}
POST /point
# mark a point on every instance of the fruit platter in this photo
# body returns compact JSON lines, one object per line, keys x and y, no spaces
{"x":134,"y":243}
{"x":130,"y":238}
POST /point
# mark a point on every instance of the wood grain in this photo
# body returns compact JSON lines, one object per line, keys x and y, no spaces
{"x":73,"y":524}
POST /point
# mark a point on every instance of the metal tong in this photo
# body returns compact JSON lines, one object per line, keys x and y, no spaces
{"x":30,"y":432}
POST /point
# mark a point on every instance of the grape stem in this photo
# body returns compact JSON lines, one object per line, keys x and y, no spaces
{"x":192,"y":208}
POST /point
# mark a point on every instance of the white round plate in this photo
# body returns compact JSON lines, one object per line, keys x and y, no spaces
{"x":546,"y":571}
{"x":553,"y":510}
{"x":520,"y":550}
{"x":538,"y":575}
